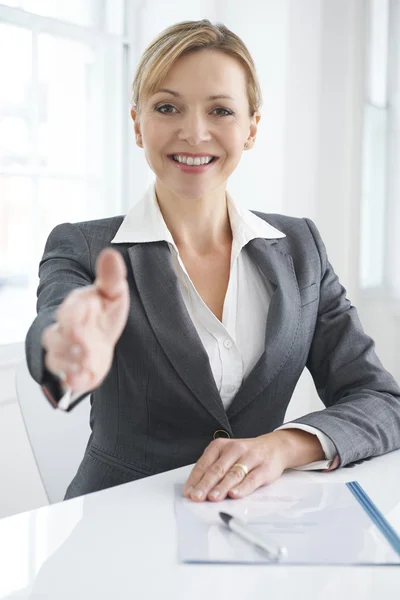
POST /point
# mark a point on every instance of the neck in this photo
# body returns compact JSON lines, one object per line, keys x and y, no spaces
{"x":198,"y":225}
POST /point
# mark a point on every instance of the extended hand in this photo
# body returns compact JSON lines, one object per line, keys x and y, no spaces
{"x":89,"y":322}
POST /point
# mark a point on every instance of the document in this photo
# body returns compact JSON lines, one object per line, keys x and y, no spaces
{"x":317,"y":524}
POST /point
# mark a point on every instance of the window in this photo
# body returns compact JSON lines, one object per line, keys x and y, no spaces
{"x":64,"y":110}
{"x":375,"y":141}
{"x":393,"y":170}
{"x":380,"y":214}
{"x":85,"y":13}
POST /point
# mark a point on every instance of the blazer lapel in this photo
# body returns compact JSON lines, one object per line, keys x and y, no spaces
{"x":159,"y":291}
{"x":282,"y":323}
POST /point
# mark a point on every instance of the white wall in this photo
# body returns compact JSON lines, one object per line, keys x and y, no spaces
{"x":306,"y":161}
{"x":340,"y":136}
{"x":265,"y":31}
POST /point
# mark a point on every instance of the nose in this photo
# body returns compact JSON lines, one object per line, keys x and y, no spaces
{"x":194,"y":129}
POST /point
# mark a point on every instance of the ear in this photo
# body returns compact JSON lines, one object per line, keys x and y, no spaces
{"x":138,"y":133}
{"x":254,"y":120}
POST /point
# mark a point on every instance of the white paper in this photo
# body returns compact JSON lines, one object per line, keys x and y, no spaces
{"x":318,"y":523}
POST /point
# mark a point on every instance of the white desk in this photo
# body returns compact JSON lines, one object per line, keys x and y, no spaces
{"x":121,"y":543}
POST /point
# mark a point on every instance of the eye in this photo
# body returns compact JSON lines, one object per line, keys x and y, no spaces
{"x":226,"y":112}
{"x":164,"y":109}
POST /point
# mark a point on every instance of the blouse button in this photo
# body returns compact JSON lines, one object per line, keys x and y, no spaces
{"x":230,"y":388}
{"x":228,"y":344}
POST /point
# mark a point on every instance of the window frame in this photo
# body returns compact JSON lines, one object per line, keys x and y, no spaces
{"x":118,"y":146}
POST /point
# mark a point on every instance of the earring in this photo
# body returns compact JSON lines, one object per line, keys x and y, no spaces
{"x":246,"y":145}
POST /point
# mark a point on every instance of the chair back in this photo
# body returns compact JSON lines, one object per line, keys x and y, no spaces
{"x":58,"y":439}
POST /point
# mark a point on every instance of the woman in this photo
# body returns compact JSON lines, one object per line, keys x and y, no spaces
{"x":190,"y":320}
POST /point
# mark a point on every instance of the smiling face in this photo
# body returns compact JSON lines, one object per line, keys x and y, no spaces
{"x":201,"y":111}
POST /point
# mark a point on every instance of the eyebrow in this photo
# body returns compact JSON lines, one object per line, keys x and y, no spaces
{"x":177,"y":95}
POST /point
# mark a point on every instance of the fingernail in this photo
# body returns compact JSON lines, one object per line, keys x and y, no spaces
{"x":235,"y":492}
{"x":215,"y":494}
{"x":73,"y":368}
{"x":76,"y":350}
{"x":189,"y":491}
{"x":199,"y":494}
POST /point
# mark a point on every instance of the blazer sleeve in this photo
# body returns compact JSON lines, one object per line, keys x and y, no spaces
{"x":65,"y":265}
{"x":362,"y":400}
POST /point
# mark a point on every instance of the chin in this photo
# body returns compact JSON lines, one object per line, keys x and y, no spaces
{"x":191,"y":192}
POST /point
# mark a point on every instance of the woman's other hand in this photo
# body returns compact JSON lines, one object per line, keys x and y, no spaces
{"x":80,"y":344}
{"x":218,"y":474}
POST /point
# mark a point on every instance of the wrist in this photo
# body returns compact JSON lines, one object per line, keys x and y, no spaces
{"x":298,"y":447}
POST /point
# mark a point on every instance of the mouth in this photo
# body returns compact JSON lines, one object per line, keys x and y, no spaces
{"x":203,"y":163}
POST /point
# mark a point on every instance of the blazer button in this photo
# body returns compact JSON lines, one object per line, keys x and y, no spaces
{"x":221,"y":433}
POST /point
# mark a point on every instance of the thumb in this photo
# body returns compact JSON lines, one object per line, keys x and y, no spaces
{"x":110,"y":273}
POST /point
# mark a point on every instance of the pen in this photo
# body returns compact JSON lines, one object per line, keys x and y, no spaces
{"x":274,"y":550}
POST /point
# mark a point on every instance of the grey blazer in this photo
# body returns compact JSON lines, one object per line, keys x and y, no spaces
{"x":158,"y":408}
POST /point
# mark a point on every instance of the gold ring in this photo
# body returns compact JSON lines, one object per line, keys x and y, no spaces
{"x":243,"y":467}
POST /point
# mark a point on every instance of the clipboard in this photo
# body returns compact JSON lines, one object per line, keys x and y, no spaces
{"x":318,"y":523}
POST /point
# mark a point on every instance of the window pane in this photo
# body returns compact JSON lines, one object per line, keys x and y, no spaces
{"x":17,"y":297}
{"x":13,"y":3}
{"x":80,"y":12}
{"x":15,"y":96}
{"x":66,"y":72}
{"x":59,"y":201}
{"x":373,"y":197}
{"x":377,"y":52}
{"x":23,"y":234}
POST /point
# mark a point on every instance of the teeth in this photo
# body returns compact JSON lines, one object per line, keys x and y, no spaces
{"x":188,"y":160}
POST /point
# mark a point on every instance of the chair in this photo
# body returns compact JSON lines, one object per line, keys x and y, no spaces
{"x":58,"y":439}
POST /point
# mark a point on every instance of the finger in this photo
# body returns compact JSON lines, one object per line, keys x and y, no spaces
{"x":81,"y":307}
{"x":262,"y":475}
{"x":83,"y":372}
{"x":56,"y":347}
{"x":110,"y":273}
{"x":82,"y":380}
{"x":65,"y":346}
{"x":235,"y":475}
{"x":68,"y":346}
{"x":216,"y":471}
{"x":68,"y":357}
{"x":65,"y":361}
{"x":209,"y":456}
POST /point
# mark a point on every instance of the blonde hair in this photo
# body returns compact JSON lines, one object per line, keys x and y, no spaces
{"x":183,"y":38}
